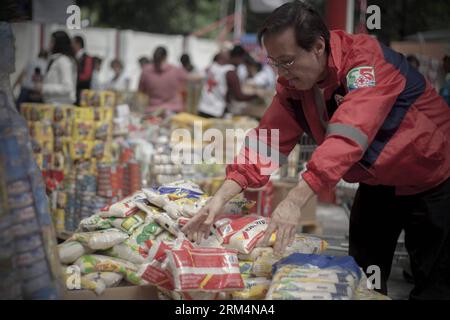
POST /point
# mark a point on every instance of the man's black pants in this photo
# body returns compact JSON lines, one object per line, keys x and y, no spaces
{"x":377,"y":218}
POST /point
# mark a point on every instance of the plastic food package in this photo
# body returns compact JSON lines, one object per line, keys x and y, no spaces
{"x":99,"y":281}
{"x":265,"y":259}
{"x":135,"y":248}
{"x":122,"y":209}
{"x":167,"y":223}
{"x":70,"y":251}
{"x":130,"y":223}
{"x":255,"y":253}
{"x":153,"y":272}
{"x":255,"y":289}
{"x":204,"y":269}
{"x":165,"y":236}
{"x":94,"y":223}
{"x":241,"y":233}
{"x":314,"y":277}
{"x":126,"y":251}
{"x":238,"y":205}
{"x":245,"y":267}
{"x":99,"y":263}
{"x":100,"y":240}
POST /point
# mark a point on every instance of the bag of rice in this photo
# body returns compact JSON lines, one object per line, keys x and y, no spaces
{"x":165,"y":221}
{"x":100,"y":240}
{"x":129,"y":224}
{"x":203,"y":269}
{"x":94,"y":262}
{"x":99,"y":281}
{"x":122,"y":209}
{"x":238,"y":205}
{"x":314,"y":277}
{"x":70,"y":251}
{"x":242,"y":232}
{"x":152,"y":272}
{"x":94,"y":223}
{"x":255,"y":289}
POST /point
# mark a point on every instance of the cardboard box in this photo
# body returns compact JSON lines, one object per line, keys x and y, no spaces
{"x":118,"y":293}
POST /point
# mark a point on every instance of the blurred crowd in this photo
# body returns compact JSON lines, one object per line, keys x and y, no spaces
{"x":59,"y":74}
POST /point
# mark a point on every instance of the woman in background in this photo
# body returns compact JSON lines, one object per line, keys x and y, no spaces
{"x":60,"y":80}
{"x":162,"y":83}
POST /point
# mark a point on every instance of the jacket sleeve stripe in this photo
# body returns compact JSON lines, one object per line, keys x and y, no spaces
{"x":349,"y":132}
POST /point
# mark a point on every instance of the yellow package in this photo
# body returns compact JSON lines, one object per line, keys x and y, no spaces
{"x":58,"y":219}
{"x":245,"y":267}
{"x":108,"y":99}
{"x":81,"y":150}
{"x":83,"y":130}
{"x":255,"y":289}
{"x":98,"y":150}
{"x":84,"y":114}
{"x":103,"y":130}
{"x":42,"y":112}
{"x":41,"y":131}
{"x":90,"y":98}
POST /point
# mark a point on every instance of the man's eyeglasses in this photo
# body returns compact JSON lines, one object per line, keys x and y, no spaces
{"x":284,"y":65}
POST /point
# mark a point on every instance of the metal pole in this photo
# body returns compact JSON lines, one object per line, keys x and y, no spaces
{"x":237,"y":19}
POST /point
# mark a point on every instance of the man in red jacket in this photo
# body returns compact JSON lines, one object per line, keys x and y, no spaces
{"x":376,"y":121}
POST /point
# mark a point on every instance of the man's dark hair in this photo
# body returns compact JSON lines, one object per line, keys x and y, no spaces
{"x":307,"y":23}
{"x":79,"y":40}
{"x":238,"y":51}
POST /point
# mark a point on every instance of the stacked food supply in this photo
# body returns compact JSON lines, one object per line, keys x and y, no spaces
{"x":314,"y":277}
{"x":138,"y":240}
{"x":84,"y":165}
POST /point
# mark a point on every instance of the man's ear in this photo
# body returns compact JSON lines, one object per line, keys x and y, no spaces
{"x":319,"y":46}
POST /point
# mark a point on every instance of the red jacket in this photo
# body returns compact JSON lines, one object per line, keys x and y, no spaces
{"x":380,"y":123}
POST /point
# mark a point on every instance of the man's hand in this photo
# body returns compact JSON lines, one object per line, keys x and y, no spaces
{"x":200,"y":225}
{"x":286,"y":218}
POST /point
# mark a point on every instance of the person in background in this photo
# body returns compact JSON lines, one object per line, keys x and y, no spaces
{"x":119,"y":81}
{"x":143,"y":61}
{"x":30,"y":77}
{"x":162,"y":83}
{"x":259,"y":75}
{"x":222,"y":87}
{"x":60,"y":80}
{"x":85,"y":65}
{"x":413,"y":61}
{"x":445,"y":90}
{"x":186,"y":63}
{"x":95,"y":81}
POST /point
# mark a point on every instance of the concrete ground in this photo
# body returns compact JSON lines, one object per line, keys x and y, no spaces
{"x":335,"y":224}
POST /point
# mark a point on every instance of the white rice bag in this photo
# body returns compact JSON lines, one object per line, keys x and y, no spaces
{"x":100,"y":240}
{"x":241,"y":232}
{"x":122,"y":209}
{"x":70,"y":251}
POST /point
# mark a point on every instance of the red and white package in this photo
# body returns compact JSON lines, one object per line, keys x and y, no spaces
{"x":153,"y":272}
{"x":242,"y":232}
{"x":204,"y":269}
{"x":122,"y":209}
